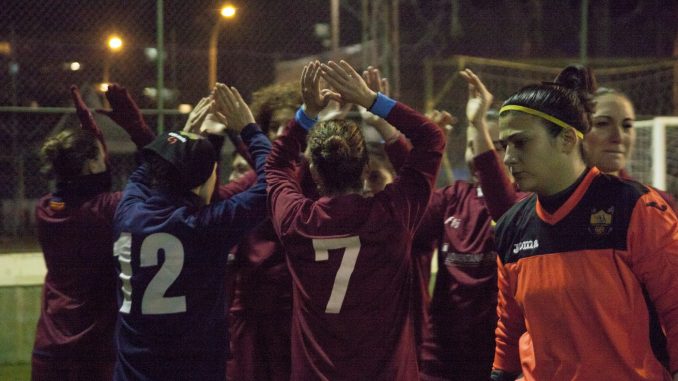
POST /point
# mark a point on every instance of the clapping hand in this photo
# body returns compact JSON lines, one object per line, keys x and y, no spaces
{"x":479,"y":98}
{"x":315,"y":100}
{"x":442,"y":119}
{"x":232,"y":108}
{"x":373,"y":79}
{"x":350,"y":87}
{"x":198,"y":115}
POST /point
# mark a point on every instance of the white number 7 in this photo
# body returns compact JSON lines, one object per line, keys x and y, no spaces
{"x":352,"y":248}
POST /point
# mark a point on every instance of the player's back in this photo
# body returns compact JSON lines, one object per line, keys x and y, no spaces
{"x":349,"y":259}
{"x":172,"y":270}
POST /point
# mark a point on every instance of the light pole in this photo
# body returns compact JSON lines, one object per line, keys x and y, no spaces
{"x":227,"y":12}
{"x":114,"y":45}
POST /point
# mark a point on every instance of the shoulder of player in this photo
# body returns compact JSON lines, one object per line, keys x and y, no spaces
{"x":630,"y":193}
{"x":627,"y":187}
{"x":519,"y":211}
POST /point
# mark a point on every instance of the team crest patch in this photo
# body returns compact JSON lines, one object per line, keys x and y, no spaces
{"x":57,"y":205}
{"x":601,"y":221}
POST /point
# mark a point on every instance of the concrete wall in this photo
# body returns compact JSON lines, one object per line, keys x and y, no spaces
{"x":21,"y":277}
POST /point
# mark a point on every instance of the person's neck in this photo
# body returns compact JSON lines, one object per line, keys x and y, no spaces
{"x":568,"y":176}
{"x":552,"y":202}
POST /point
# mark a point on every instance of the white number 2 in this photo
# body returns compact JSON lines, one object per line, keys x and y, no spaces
{"x":351,"y":246}
{"x":154,"y":301}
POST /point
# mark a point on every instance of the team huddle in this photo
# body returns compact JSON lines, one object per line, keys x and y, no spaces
{"x":314,"y":261}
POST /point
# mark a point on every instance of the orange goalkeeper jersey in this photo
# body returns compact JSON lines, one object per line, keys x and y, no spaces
{"x":571,"y":284}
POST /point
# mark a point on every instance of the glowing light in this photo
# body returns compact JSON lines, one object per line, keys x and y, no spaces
{"x":228,"y":11}
{"x":185,"y":108}
{"x":103,"y":87}
{"x":75,"y":66}
{"x":115,"y":43}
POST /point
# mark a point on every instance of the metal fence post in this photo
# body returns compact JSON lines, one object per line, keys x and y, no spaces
{"x":160,"y":85}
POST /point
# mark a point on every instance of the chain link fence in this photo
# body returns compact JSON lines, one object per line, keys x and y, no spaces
{"x":45,"y":46}
{"x":648,"y":83}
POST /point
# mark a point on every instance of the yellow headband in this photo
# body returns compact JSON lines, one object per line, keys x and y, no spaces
{"x":542,"y":115}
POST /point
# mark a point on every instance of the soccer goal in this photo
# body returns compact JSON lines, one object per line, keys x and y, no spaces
{"x":654,"y":159}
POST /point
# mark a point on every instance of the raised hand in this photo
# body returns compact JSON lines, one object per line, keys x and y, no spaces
{"x":215,"y":124}
{"x":85,"y":115}
{"x":198,"y":115}
{"x":125,"y":112}
{"x":232,"y":107}
{"x":373,"y":79}
{"x":479,"y":98}
{"x":349,"y":86}
{"x":315,"y":100}
{"x":479,"y":101}
{"x":442,"y":119}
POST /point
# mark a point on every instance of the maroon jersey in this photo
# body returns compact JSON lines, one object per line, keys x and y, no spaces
{"x":459,"y":344}
{"x":78,"y":311}
{"x":261,"y":307}
{"x":349,"y":257}
{"x":422,"y":252}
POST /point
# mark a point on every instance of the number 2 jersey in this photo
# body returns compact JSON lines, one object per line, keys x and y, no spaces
{"x":172,"y":257}
{"x":572,"y":284}
{"x":349,"y":257}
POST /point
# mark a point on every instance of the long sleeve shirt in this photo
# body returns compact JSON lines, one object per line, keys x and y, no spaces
{"x":350,"y":261}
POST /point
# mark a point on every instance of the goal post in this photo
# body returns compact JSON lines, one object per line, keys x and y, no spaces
{"x":654,"y":159}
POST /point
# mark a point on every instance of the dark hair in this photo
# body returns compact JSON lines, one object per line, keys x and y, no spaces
{"x":64,"y":154}
{"x":339,"y":154}
{"x":569,"y":98}
{"x":267,"y":100}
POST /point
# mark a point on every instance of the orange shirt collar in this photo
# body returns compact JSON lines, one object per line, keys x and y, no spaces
{"x":571,"y":202}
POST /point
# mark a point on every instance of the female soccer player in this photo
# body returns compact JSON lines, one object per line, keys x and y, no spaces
{"x":459,"y":342}
{"x":610,"y":142}
{"x":348,"y":254}
{"x":261,"y":309}
{"x":74,"y":336}
{"x":172,"y":244}
{"x":576,"y":256}
{"x":608,"y":146}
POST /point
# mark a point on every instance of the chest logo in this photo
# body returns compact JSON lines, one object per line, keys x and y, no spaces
{"x":525,"y":245}
{"x":601,"y":221}
{"x":454,"y":222}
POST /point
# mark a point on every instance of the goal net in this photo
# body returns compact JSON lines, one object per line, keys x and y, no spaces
{"x":654,"y":159}
{"x":647,"y":82}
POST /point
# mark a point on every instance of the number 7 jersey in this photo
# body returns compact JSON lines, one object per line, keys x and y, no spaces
{"x":349,"y":257}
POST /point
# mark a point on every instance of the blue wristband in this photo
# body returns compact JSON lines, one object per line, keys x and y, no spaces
{"x":303,"y":119}
{"x":382,"y":105}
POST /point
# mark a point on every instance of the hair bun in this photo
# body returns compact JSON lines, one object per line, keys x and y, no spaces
{"x":50,"y":152}
{"x":336,"y":148}
{"x":578,"y":78}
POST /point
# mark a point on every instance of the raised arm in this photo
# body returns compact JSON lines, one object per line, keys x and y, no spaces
{"x":86,"y":118}
{"x":284,"y":190}
{"x":247,"y":209}
{"x":416,"y":178}
{"x":125,"y":112}
{"x":499,"y":192}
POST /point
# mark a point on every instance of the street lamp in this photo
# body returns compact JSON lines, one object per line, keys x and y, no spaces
{"x":226,"y":12}
{"x":114,"y":44}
